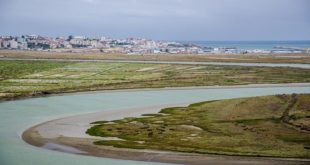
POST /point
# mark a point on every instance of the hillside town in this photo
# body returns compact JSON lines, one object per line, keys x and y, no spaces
{"x":123,"y":46}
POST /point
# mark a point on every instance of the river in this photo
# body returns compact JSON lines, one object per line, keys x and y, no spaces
{"x":17,"y":116}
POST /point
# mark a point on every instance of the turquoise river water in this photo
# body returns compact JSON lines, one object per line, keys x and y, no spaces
{"x":16,"y":116}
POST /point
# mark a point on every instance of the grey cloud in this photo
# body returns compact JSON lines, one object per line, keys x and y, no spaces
{"x":160,"y":19}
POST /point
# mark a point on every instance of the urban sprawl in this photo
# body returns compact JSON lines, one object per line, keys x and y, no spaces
{"x":124,"y":46}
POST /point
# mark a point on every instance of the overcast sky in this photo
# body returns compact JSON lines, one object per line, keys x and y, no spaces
{"x":159,"y":19}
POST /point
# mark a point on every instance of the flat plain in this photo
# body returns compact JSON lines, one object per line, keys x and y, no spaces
{"x":245,"y":58}
{"x":37,"y":78}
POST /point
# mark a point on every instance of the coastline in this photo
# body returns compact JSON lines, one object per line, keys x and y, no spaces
{"x":55,"y":135}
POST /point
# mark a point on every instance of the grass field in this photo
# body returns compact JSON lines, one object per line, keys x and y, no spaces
{"x":275,"y":126}
{"x":32,"y":78}
{"x":250,"y":58}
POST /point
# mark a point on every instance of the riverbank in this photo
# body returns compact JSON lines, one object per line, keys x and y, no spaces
{"x":23,"y":79}
{"x":76,"y":141}
{"x":39,"y":95}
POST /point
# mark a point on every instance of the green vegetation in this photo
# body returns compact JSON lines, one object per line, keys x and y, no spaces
{"x":17,"y":69}
{"x":32,"y":78}
{"x":275,"y":126}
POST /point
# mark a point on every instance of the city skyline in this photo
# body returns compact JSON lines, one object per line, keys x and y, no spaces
{"x":146,"y":46}
{"x":178,"y":20}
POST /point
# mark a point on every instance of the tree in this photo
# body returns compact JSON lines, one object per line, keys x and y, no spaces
{"x":70,"y":37}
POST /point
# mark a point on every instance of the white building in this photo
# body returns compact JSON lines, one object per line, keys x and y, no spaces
{"x":13,"y":44}
{"x":96,"y":44}
{"x":33,"y":37}
{"x":76,"y":41}
{"x":22,"y":45}
{"x":67,"y":45}
{"x":79,"y":37}
{"x":5,"y":44}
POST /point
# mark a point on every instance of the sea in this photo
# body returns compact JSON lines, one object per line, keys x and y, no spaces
{"x":252,"y":45}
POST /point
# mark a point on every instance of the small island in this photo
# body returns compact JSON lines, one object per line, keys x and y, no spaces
{"x":268,"y":126}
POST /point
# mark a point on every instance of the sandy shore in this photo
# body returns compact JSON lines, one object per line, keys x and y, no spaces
{"x":68,"y":135}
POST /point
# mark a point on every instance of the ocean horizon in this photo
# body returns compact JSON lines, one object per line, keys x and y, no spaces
{"x":251,"y":45}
